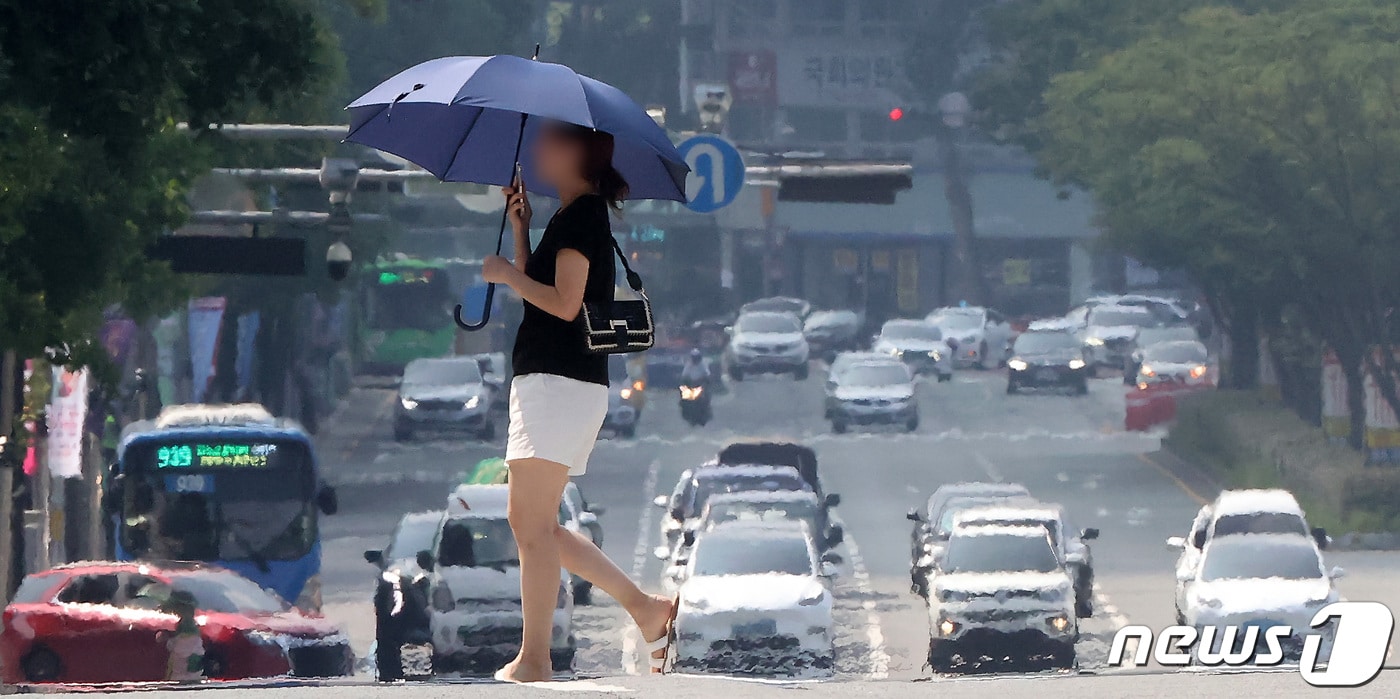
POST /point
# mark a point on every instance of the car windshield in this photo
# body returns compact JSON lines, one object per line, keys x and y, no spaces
{"x":767,"y":323}
{"x":999,"y":553}
{"x":1111,"y":317}
{"x":875,"y":375}
{"x":763,"y":511}
{"x":829,"y":320}
{"x":957,"y":505}
{"x":958,"y":320}
{"x":733,"y":483}
{"x":1176,"y":353}
{"x":752,"y":553}
{"x":442,"y":372}
{"x":1050,"y":526}
{"x":477,"y":542}
{"x":911,"y":331}
{"x":1260,"y":523}
{"x":1247,"y":558}
{"x":415,"y":533}
{"x":1038,"y":342}
{"x":227,"y":593}
{"x":1177,"y":333}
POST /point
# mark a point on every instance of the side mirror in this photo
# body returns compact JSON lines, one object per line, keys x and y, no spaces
{"x":374,"y":556}
{"x":914,"y":516}
{"x":688,"y":537}
{"x":327,"y":500}
{"x":1089,"y":534}
{"x":1320,"y":536}
{"x":678,"y":514}
{"x":833,"y":499}
{"x":598,"y":510}
{"x":425,"y":560}
{"x":660,"y":500}
{"x":1337,"y":572}
{"x":1176,"y":542}
{"x":661,"y":553}
{"x":835,"y":536}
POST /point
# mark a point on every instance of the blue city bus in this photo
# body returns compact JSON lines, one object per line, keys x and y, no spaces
{"x":230,"y":485}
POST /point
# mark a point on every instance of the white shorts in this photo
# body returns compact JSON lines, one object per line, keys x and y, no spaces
{"x":555,"y":418}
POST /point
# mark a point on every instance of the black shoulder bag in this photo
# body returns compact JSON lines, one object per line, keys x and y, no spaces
{"x":619,"y":326}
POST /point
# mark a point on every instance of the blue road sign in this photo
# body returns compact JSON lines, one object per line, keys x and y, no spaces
{"x":716,"y":172}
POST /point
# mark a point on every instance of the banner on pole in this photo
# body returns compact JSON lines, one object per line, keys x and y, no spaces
{"x":67,"y":414}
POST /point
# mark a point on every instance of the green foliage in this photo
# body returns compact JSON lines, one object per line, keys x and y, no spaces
{"x":633,"y":44}
{"x":92,"y":164}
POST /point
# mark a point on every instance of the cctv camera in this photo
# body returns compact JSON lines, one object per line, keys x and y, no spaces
{"x":338,"y":258}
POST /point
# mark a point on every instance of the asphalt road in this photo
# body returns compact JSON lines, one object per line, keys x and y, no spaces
{"x":1065,"y":449}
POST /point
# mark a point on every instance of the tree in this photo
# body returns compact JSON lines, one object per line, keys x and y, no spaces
{"x":92,"y":164}
{"x":631,"y":44}
{"x":1255,"y":151}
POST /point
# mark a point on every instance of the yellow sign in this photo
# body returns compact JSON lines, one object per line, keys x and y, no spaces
{"x":1016,"y":272}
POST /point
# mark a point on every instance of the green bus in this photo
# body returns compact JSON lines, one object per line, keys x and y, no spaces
{"x":405,"y":312}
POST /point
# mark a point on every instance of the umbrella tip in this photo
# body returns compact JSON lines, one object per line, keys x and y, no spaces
{"x":537,"y":53}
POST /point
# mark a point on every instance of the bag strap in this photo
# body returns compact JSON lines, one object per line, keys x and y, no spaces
{"x":634,"y":280}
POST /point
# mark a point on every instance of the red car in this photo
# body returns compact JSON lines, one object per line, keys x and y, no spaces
{"x":112,"y":622}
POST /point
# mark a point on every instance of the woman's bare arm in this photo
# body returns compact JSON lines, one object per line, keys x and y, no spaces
{"x":564,"y":300}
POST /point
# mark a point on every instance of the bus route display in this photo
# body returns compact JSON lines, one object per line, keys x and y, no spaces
{"x":215,"y":455}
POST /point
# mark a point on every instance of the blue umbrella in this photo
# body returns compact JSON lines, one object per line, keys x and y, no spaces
{"x":466,"y":119}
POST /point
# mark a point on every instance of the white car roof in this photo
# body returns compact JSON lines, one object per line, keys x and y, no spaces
{"x":1235,"y":502}
{"x":716,"y":470}
{"x":474,"y":500}
{"x":992,"y":514}
{"x":999,"y":530}
{"x":748,"y":529}
{"x":762,"y":496}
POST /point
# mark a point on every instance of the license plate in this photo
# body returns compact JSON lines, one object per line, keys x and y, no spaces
{"x":1047,"y":375}
{"x":766,"y":627}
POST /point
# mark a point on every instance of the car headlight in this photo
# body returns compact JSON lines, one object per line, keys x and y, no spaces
{"x":947,"y":627}
{"x":1018,"y":365}
{"x":895,"y":351}
{"x":1094,"y":341}
{"x":1198,"y":371}
{"x":472,"y":403}
{"x":408,"y":403}
{"x":1076,"y":363}
{"x":1058,"y":622}
{"x":934,"y":355}
{"x":626,"y":393}
{"x":639,"y":385}
{"x":1147,"y":370}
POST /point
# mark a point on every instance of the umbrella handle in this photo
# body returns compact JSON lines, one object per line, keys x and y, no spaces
{"x":485,"y":312}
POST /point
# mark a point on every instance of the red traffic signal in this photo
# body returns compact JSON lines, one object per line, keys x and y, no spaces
{"x":896,"y":114}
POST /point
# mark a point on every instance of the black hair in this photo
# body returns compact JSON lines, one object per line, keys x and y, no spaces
{"x":597,"y":164}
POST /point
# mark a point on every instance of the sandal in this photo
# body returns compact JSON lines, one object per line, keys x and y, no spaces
{"x":666,"y":643}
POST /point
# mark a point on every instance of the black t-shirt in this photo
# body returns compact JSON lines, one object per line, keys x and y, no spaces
{"x":545,"y":343}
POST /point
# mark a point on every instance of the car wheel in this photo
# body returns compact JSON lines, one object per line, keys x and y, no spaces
{"x":1084,"y":606}
{"x":801,"y":372}
{"x":912,"y":424}
{"x":945,"y":378}
{"x":1010,"y":388}
{"x":839,"y":426}
{"x":982,"y":355}
{"x":1092,"y":371}
{"x":1081,"y":388}
{"x":562,"y":659}
{"x":736,"y":373}
{"x":488,"y":431}
{"x":583,"y":593}
{"x":41,"y":665}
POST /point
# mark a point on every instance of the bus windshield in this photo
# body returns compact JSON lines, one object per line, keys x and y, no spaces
{"x":210,"y":498}
{"x":407,"y":298}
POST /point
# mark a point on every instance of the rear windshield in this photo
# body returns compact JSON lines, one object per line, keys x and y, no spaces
{"x":34,"y":589}
{"x":1260,"y":523}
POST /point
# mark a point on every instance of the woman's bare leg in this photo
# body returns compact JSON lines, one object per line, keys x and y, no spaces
{"x":584,"y":559}
{"x":536,"y":486}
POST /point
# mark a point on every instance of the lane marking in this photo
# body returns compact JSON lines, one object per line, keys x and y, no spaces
{"x":988,"y":467}
{"x":1105,"y":605}
{"x":1173,"y":478}
{"x":879,"y":658}
{"x":631,"y":642}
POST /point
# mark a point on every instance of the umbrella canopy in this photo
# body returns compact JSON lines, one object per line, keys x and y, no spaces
{"x":460,"y":118}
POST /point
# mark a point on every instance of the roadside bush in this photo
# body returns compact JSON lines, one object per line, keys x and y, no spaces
{"x":1244,"y":440}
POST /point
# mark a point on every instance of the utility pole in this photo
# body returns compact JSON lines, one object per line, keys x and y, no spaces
{"x":7,"y":471}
